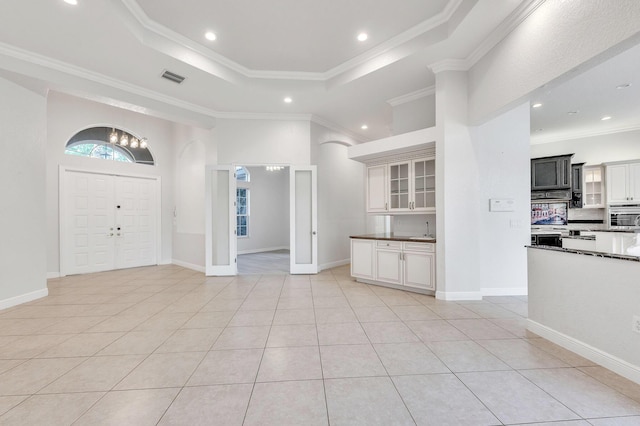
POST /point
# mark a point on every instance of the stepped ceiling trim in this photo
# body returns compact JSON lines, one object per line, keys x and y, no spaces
{"x":413,"y":96}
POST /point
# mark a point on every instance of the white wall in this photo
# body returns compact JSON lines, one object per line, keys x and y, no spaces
{"x":457,"y":192}
{"x":67,"y":115}
{"x":194,"y":148}
{"x":341,"y":199}
{"x":23,"y":259}
{"x":594,"y":150}
{"x":414,"y":115}
{"x":502,"y":147}
{"x":268,"y":210}
{"x":553,"y":40}
{"x":263,"y":142}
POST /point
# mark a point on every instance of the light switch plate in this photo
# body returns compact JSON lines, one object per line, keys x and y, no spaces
{"x":502,"y":205}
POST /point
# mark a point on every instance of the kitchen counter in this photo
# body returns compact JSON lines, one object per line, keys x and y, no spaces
{"x":390,"y":236}
{"x":588,"y":253}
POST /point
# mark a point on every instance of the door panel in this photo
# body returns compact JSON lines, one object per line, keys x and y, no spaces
{"x":89,"y":240}
{"x":221,"y":245}
{"x":303,"y":218}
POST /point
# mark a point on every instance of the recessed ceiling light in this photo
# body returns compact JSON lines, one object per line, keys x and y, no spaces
{"x":537,"y":105}
{"x":623,"y":86}
{"x":363,"y":36}
{"x":210,"y":35}
{"x":72,"y":2}
{"x":364,"y":127}
{"x":288,"y":100}
{"x":572,"y":112}
{"x":606,"y":117}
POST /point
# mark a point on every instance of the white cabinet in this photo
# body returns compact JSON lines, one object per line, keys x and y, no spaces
{"x":362,"y":258}
{"x":389,"y":262}
{"x":394,"y":262}
{"x":578,"y":244}
{"x":419,"y":265}
{"x":402,"y":187}
{"x":623,"y":183}
{"x":593,"y":187}
{"x":377,"y":198}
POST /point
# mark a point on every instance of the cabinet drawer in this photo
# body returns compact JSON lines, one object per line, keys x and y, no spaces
{"x":389,"y":244}
{"x":426,"y":247}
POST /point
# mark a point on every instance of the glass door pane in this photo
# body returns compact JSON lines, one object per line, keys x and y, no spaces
{"x":221,"y":221}
{"x":303,"y":205}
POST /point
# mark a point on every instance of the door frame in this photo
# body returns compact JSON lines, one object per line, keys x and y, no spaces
{"x":62,"y":209}
{"x":310,"y":268}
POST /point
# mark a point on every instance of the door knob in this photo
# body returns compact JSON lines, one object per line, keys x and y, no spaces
{"x":314,"y":233}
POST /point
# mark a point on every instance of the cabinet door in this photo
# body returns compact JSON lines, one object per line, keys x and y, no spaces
{"x":399,"y":182}
{"x":377,"y":189}
{"x":424,"y":185}
{"x":418,"y":270}
{"x":362,"y":259}
{"x":634,"y":182}
{"x":593,"y":187}
{"x":617,"y":183}
{"x":388,"y":266}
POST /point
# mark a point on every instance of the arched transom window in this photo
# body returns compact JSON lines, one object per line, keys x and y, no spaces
{"x":109,"y":143}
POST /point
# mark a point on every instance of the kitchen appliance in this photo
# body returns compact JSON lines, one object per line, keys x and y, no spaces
{"x":551,"y":177}
{"x":623,"y":217}
{"x":547,"y":239}
{"x":549,"y":213}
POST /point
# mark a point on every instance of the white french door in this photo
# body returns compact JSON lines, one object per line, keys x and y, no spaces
{"x":106,"y":222}
{"x":220,"y":210}
{"x":303,"y":201}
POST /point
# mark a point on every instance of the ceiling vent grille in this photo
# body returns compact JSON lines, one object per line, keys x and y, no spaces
{"x":172,"y":76}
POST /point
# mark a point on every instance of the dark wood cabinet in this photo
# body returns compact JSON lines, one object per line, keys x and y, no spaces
{"x":576,"y":186}
{"x":551,"y":173}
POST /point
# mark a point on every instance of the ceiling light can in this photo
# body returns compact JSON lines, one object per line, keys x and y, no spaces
{"x":288,"y":100}
{"x":210,"y":35}
{"x":363,"y":37}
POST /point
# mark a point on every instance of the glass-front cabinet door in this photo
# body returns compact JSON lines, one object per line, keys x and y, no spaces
{"x":593,"y":187}
{"x":399,"y":186}
{"x":424,"y":187}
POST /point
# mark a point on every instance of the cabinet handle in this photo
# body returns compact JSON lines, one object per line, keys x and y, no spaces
{"x":386,"y":206}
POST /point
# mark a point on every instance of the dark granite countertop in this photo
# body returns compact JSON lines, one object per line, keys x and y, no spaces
{"x":580,"y":237}
{"x":587,"y":253}
{"x":390,"y":236}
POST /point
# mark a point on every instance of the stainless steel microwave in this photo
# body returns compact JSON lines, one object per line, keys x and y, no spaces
{"x":624,"y":217}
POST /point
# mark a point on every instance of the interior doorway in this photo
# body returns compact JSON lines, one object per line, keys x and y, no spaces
{"x":262,"y":219}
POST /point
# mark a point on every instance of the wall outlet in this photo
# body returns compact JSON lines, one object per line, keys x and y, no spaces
{"x":636,"y":323}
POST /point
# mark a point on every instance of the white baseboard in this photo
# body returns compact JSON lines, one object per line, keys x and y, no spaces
{"x":262,"y":250}
{"x":335,"y":264}
{"x":52,"y":275}
{"x":459,"y":295}
{"x":23,"y":298}
{"x":499,"y":291}
{"x":188,"y":265}
{"x":611,"y":362}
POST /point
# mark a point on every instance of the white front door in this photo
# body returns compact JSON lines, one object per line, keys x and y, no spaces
{"x":135,"y":222}
{"x":303,"y":220}
{"x":106,"y":222}
{"x":220,"y":211}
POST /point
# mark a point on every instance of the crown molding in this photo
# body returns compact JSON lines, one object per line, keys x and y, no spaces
{"x":262,"y":116}
{"x":512,"y":21}
{"x":412,"y":96}
{"x":149,"y":31}
{"x":587,"y":134}
{"x":449,"y":65}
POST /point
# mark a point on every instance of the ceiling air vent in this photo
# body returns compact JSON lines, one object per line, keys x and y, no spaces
{"x":173,"y":76}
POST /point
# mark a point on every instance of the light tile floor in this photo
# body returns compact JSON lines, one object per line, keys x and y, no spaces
{"x":166,"y":345}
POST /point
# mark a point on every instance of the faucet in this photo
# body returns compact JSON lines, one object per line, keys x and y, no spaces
{"x":428,"y":234}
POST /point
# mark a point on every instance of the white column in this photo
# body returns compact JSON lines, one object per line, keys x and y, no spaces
{"x":457,"y":190}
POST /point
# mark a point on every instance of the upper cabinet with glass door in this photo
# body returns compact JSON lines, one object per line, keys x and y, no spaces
{"x":412,"y":186}
{"x":593,"y":187}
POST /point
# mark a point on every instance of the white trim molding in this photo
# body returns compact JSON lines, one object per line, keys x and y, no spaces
{"x":329,"y":265}
{"x":458,"y":295}
{"x":412,"y":96}
{"x":188,"y":265}
{"x":23,"y":298}
{"x":611,"y":362}
{"x":505,"y":291}
{"x":262,"y":250}
{"x":53,"y":275}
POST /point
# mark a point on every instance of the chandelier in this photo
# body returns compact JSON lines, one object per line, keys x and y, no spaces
{"x":126,"y":140}
{"x":274,"y":168}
